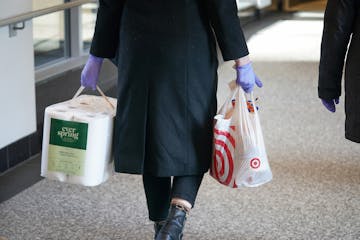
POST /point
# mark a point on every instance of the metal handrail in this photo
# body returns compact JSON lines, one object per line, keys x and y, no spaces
{"x":37,"y":13}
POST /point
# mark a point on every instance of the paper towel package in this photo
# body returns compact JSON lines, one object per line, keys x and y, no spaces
{"x":77,"y":140}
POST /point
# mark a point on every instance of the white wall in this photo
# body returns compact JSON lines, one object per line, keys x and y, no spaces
{"x":17,"y":84}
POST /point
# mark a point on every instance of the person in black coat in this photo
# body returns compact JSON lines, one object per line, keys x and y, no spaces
{"x":167,"y":63}
{"x":341,"y":27}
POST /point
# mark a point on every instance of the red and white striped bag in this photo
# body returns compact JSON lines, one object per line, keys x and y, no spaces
{"x":239,"y":157}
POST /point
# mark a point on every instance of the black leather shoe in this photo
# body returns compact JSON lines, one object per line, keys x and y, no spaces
{"x":173,"y":228}
{"x":157,"y":226}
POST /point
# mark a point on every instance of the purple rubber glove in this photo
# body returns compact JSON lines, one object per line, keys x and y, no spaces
{"x":90,"y":73}
{"x":246,"y":77}
{"x":330,"y":104}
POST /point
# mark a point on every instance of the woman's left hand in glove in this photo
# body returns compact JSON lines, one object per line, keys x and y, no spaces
{"x":91,"y":71}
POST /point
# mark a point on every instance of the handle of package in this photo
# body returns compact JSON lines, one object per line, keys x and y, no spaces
{"x":233,"y":87}
{"x":79,"y":91}
{"x":224,"y":109}
{"x":235,"y":91}
{"x":242,"y":113}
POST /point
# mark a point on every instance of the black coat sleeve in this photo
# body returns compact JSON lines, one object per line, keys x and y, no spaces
{"x":106,"y":35}
{"x":338,"y":27}
{"x":226,"y":24}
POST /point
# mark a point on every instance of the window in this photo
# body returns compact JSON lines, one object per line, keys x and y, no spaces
{"x":88,"y":19}
{"x":49,"y":34}
{"x":62,"y":38}
{"x":49,"y":38}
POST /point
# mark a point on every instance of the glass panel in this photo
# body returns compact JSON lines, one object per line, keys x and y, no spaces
{"x":88,"y":19}
{"x":48,"y":33}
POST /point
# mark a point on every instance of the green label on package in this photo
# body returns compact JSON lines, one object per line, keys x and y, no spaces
{"x":67,"y":149}
{"x":68,"y":134}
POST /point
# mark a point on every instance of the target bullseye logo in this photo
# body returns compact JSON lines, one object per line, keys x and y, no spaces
{"x":223,"y":162}
{"x":255,"y":163}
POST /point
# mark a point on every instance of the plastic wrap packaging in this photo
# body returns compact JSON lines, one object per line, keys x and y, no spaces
{"x":77,"y":140}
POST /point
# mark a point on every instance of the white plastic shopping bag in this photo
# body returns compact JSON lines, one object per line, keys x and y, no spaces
{"x":239,"y":157}
{"x":77,"y":140}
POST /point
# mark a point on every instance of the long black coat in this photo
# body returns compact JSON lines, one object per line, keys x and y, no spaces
{"x":342,"y":19}
{"x":167,"y":82}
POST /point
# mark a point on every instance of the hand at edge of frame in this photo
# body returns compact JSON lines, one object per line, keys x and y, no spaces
{"x":330,"y":104}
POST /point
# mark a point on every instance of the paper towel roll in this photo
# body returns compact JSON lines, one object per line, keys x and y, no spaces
{"x":98,"y":149}
{"x":95,"y":165}
{"x":58,"y":112}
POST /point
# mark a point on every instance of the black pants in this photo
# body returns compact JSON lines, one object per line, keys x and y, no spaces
{"x":159,"y":192}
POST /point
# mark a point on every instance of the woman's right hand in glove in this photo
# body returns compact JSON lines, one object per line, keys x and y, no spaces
{"x":91,"y":71}
{"x":245,"y":75}
{"x":246,"y":78}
